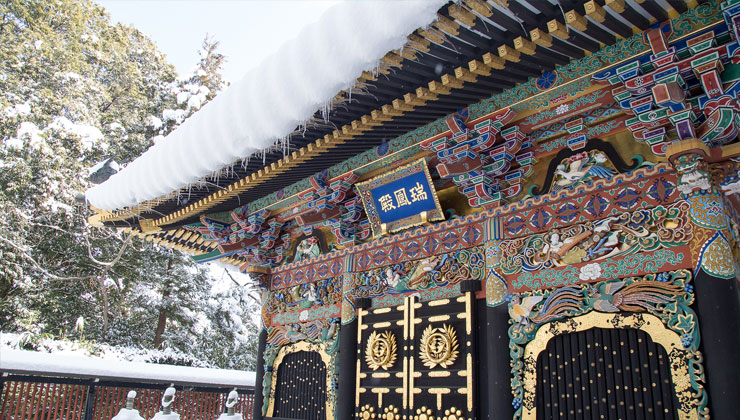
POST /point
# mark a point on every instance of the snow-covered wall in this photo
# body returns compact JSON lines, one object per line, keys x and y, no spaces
{"x":271,"y":100}
{"x":29,"y":362}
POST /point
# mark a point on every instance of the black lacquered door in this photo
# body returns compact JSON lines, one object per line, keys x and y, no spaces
{"x":300,"y":392}
{"x":416,"y":360}
{"x":604,"y":374}
{"x":443,"y":356}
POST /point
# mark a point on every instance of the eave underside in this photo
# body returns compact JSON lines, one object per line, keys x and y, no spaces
{"x":462,"y":44}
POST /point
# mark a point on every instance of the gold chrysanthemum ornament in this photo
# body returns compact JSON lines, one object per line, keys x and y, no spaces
{"x":381,"y":350}
{"x":439,"y":346}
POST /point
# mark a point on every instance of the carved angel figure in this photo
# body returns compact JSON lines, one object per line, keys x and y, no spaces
{"x":581,"y":167}
{"x":307,"y":248}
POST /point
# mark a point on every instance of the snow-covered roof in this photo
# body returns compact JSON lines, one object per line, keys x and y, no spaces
{"x":271,"y":100}
{"x":30,"y":362}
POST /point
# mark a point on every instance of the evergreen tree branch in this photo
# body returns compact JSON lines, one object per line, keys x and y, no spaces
{"x":38,"y":266}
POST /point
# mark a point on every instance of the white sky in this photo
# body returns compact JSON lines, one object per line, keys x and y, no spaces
{"x":248,"y":30}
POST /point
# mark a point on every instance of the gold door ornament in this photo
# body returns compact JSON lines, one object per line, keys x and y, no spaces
{"x":439,"y":346}
{"x":381,"y":350}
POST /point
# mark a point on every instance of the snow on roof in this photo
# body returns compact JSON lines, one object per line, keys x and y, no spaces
{"x":271,"y":100}
{"x":31,"y":362}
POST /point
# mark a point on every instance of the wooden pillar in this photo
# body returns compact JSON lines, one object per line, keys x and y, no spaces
{"x":347,"y":370}
{"x":718,"y":310}
{"x":495,"y":350}
{"x":90,"y":402}
{"x":259,"y":373}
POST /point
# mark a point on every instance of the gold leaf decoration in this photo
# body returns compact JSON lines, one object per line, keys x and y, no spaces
{"x":439,"y":346}
{"x":381,"y":350}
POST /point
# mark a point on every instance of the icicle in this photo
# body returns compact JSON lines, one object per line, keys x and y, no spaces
{"x":562,"y":11}
{"x":350,"y":94}
{"x":264,"y":155}
{"x":325,"y":112}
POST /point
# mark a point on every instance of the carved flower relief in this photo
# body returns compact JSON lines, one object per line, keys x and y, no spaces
{"x":681,"y":379}
{"x":562,"y":109}
{"x":529,"y":382}
{"x":565,"y":326}
{"x":590,"y":272}
{"x":680,"y":370}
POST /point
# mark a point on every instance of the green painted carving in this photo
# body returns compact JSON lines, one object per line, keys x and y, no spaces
{"x":579,"y":102}
{"x":629,"y":233}
{"x":611,"y":268}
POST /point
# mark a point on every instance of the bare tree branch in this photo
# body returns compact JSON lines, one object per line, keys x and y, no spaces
{"x":115,"y":259}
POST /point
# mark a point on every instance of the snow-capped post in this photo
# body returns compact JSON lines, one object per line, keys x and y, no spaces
{"x":128,"y":412}
{"x":167,"y":399}
{"x":230,"y":413}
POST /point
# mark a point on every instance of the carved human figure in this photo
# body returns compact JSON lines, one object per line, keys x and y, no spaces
{"x":309,"y":296}
{"x":307,"y":248}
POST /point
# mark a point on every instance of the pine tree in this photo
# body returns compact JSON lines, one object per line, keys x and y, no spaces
{"x":75,"y":90}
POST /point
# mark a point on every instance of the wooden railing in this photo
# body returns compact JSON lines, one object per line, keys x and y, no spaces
{"x":24,"y":397}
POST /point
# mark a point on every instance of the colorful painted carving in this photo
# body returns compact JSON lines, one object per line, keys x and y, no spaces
{"x":584,"y":161}
{"x":486,"y":168}
{"x":436,"y":271}
{"x":694,"y":177}
{"x":307,"y":249}
{"x":304,"y":296}
{"x":629,"y":233}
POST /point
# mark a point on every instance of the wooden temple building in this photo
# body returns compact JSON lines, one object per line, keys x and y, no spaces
{"x":529,"y":211}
